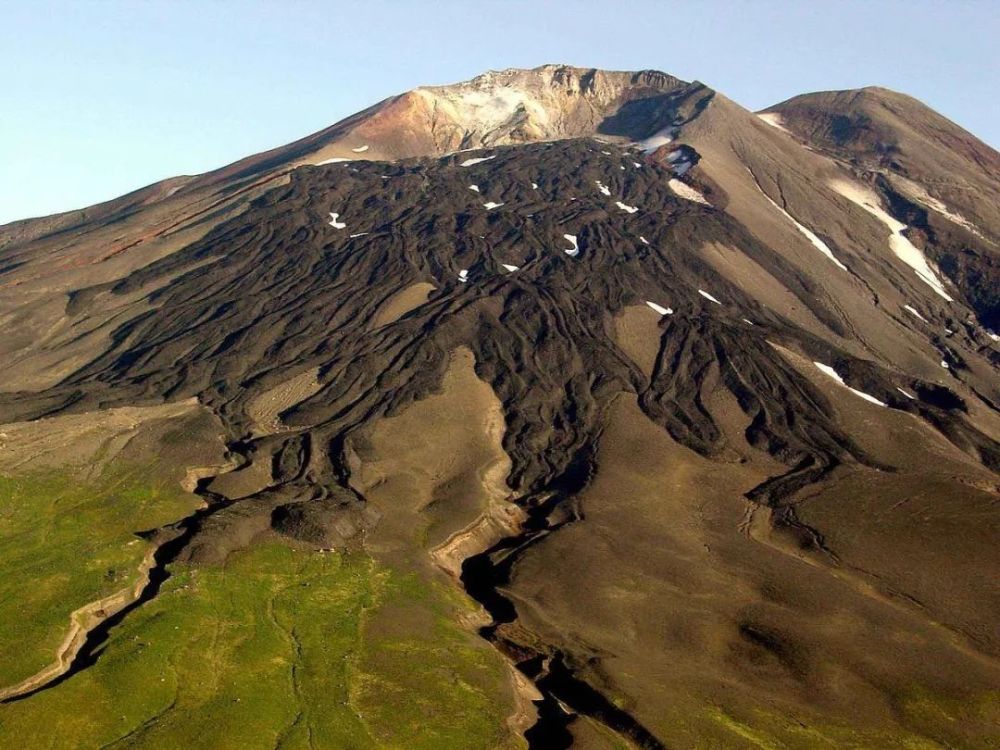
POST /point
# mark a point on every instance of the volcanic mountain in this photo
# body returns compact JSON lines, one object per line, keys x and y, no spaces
{"x":556,"y":407}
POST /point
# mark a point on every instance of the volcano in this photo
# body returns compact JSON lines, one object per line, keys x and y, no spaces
{"x":559,"y":407}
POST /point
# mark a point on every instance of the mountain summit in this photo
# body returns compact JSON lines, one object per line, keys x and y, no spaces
{"x":556,"y":407}
{"x":505,"y":108}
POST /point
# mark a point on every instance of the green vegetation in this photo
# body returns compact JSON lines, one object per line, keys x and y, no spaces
{"x":66,"y":541}
{"x":279,"y":648}
{"x":422,"y":682}
{"x":770,"y":731}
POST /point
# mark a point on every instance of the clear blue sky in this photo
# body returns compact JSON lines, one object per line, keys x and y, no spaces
{"x":99,"y":98}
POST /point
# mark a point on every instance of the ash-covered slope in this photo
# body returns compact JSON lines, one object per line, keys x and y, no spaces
{"x":933,"y":175}
{"x":881,"y":128}
{"x":746,"y":433}
{"x":497,"y":108}
{"x":49,"y":257}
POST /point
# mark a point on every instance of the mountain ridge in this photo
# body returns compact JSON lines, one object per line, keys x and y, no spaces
{"x":679,"y":428}
{"x":252,"y":164}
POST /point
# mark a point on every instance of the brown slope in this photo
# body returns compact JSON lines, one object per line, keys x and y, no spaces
{"x":496,"y":108}
{"x":700,"y":498}
{"x":26,"y":230}
{"x":675,"y":597}
{"x":932,"y":175}
{"x":878,"y":127}
{"x":44,"y":262}
{"x":769,"y":181}
{"x":743,"y":428}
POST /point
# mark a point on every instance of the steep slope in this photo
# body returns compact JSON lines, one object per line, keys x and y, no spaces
{"x":930,"y":174}
{"x":881,"y":129}
{"x":45,"y":259}
{"x":641,"y":376}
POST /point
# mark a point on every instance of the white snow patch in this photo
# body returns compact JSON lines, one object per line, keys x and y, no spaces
{"x":774,"y":120}
{"x":509,"y":267}
{"x":534,"y":186}
{"x":606,"y":153}
{"x":906,"y":393}
{"x":470,"y":162}
{"x":708,"y":296}
{"x":866,"y":396}
{"x":993,"y":336}
{"x":474,"y":187}
{"x":656,"y":140}
{"x":334,"y":223}
{"x":806,"y":232}
{"x":905,"y":250}
{"x":637,"y":165}
{"x":575,"y":250}
{"x":463,"y":275}
{"x":643,"y":240}
{"x":833,"y":374}
{"x":748,"y":322}
{"x":359,"y":234}
{"x":830,"y":371}
{"x":360,"y":149}
{"x":910,"y":309}
{"x":626,"y":209}
{"x":683,"y":190}
{"x":945,"y":365}
{"x":660,"y":308}
{"x":490,"y":205}
{"x":334,"y":160}
{"x":602,"y":188}
{"x":678,"y":162}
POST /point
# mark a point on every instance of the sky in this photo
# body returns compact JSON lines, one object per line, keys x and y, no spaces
{"x":100,"y":98}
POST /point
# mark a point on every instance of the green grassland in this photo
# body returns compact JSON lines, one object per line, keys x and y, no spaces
{"x":289,"y":648}
{"x":66,"y":540}
{"x":770,"y":731}
{"x":280,"y":648}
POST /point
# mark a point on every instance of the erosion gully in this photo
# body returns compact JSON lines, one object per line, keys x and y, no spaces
{"x":179,"y":535}
{"x":564,"y":695}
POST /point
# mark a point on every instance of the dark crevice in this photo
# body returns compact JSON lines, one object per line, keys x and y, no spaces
{"x":565,"y":696}
{"x":177,"y":536}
